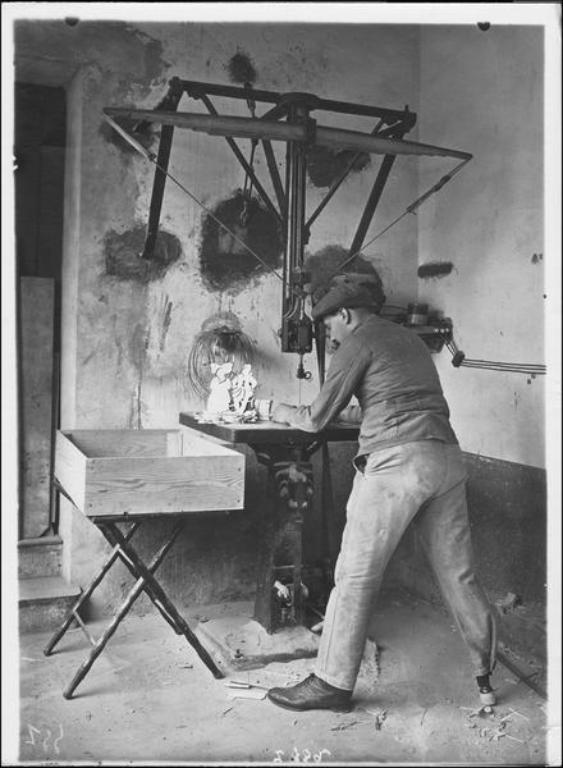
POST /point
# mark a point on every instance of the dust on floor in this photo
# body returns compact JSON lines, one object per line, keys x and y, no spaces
{"x":149,"y":698}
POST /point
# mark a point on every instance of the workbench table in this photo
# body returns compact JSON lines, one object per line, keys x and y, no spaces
{"x":271,"y":433}
{"x":285,"y":451}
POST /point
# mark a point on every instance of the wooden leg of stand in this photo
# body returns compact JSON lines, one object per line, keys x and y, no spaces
{"x":125,"y":607}
{"x":71,"y":616}
{"x":170,"y":608}
{"x":109,"y":529}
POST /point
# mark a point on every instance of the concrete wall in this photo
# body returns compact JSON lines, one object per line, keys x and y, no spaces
{"x":483,"y":90}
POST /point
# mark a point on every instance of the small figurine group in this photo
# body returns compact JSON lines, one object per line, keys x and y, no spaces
{"x":231,"y":395}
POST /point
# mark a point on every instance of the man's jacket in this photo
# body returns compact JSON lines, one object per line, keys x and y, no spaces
{"x":390,"y":371}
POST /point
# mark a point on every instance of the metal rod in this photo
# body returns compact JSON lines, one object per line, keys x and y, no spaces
{"x":444,"y":180}
{"x":128,"y":138}
{"x":275,"y":113}
{"x":296,"y":166}
{"x":225,"y":227}
{"x":257,"y":128}
{"x":371,"y":204}
{"x":275,"y":176}
{"x":152,"y":158}
{"x":245,"y":164}
{"x":334,"y":187}
{"x":164,"y":149}
{"x":158,"y":190}
{"x":410,"y":209}
{"x":336,"y":184}
{"x":195,"y":88}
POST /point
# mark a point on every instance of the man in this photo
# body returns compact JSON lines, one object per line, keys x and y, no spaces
{"x":408,"y":467}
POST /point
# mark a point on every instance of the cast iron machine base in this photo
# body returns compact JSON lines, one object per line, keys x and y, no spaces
{"x":280,"y":591}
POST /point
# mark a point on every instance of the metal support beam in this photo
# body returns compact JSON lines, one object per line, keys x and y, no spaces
{"x":296,"y":178}
{"x":158,"y":190}
{"x":275,"y":176}
{"x":254,"y":128}
{"x":275,"y":113}
{"x":337,"y":182}
{"x":245,"y":164}
{"x":371,"y":205}
{"x":196,"y":88}
{"x":170,"y":102}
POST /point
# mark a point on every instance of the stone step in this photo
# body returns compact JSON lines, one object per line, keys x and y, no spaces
{"x":44,"y":602}
{"x":39,"y":557}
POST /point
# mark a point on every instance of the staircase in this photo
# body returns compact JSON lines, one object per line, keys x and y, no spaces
{"x":44,"y":596}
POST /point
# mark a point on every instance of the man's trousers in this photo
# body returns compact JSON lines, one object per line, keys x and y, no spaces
{"x":423,"y":482}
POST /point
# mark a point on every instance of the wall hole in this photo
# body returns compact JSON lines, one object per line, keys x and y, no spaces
{"x":123,"y":254}
{"x":225,"y":261}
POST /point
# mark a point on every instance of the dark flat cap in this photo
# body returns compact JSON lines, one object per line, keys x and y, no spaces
{"x":350,"y":291}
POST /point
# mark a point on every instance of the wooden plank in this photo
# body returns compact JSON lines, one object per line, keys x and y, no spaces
{"x":174,"y":443}
{"x":37,"y":296}
{"x":70,"y":468}
{"x":124,"y":442}
{"x":142,"y":485}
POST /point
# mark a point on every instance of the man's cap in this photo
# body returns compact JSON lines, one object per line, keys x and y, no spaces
{"x":351,"y":290}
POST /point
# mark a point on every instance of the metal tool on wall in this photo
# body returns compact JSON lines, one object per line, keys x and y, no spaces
{"x":287,"y":119}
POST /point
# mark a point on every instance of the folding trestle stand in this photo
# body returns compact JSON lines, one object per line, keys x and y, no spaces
{"x":146,"y":582}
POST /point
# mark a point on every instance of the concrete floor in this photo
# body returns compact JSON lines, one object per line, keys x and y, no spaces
{"x":149,"y":698}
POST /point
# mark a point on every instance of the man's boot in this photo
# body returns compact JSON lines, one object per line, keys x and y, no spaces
{"x":311,"y":693}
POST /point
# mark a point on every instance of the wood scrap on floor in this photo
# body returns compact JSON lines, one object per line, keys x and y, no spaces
{"x":344,"y":726}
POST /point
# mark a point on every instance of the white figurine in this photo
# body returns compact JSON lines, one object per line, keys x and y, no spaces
{"x":243,"y":386}
{"x":219,"y":399}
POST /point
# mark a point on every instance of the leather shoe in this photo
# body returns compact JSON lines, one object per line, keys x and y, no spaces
{"x":311,"y":693}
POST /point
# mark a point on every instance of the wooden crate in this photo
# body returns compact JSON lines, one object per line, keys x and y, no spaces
{"x":149,"y":471}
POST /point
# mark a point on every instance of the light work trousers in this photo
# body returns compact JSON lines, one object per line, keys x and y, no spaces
{"x":422,"y":481}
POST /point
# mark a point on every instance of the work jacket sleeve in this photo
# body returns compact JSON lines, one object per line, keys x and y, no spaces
{"x":345,"y":372}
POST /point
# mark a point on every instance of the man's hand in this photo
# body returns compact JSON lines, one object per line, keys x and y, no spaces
{"x":282,"y":413}
{"x":350,"y":415}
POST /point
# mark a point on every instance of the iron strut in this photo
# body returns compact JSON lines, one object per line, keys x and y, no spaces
{"x":288,"y":119}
